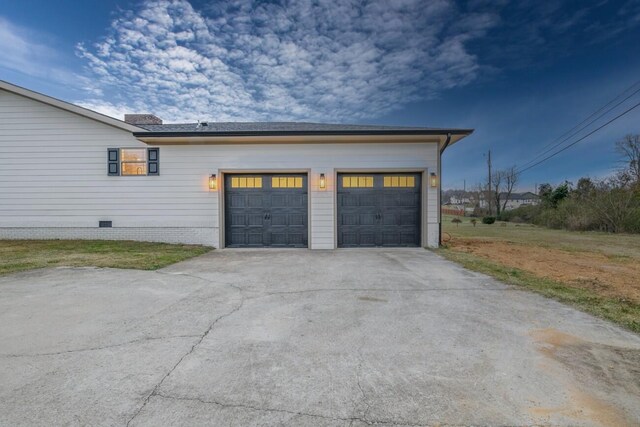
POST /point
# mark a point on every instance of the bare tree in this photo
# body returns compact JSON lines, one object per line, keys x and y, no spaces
{"x":496,"y":187}
{"x":510,"y":179}
{"x":629,"y":148}
{"x":503,"y":182}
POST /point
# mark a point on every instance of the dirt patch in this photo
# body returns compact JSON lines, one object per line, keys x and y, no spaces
{"x":607,"y":276}
{"x":609,"y":368}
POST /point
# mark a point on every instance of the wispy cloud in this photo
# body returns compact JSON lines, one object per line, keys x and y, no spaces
{"x":28,"y":52}
{"x":321,"y":60}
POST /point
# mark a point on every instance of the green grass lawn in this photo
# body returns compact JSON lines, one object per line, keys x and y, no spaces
{"x":619,"y":249}
{"x":20,"y":255}
{"x":590,"y":241}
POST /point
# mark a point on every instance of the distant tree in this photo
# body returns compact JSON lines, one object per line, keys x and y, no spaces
{"x":544,"y":190}
{"x":560,"y":193}
{"x":629,"y":148}
{"x":474,"y":221}
{"x":510,"y":178}
{"x":456,"y":221}
{"x":584,"y":188}
{"x":503,"y":183}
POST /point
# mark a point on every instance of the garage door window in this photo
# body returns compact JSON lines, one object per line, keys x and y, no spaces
{"x":286,"y":182}
{"x":399,"y":181}
{"x":246,"y":182}
{"x":357,"y":181}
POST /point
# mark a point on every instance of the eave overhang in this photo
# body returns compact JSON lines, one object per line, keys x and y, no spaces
{"x":267,"y":137}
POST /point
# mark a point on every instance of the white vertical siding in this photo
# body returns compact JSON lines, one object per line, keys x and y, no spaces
{"x":53,"y":175}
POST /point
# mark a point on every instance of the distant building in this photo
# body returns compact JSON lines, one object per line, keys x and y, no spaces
{"x":520,"y":199}
{"x":515,"y":200}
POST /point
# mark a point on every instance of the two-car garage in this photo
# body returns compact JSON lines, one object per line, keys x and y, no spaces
{"x":372,"y":209}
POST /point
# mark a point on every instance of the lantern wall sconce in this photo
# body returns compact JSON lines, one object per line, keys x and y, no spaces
{"x":433,"y":180}
{"x":213,"y":182}
{"x":323,"y":182}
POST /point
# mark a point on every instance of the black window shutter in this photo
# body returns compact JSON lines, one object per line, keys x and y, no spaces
{"x":153,"y":159}
{"x":113,"y":164}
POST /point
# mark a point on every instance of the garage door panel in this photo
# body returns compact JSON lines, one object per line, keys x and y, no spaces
{"x":297,"y":220}
{"x":259,"y":214}
{"x":378,"y":210}
{"x":368,"y":218}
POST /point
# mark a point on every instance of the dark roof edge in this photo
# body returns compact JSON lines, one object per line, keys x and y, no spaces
{"x":149,"y":134}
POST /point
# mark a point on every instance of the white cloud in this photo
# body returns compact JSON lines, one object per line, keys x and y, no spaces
{"x":26,"y":51}
{"x":303,"y":60}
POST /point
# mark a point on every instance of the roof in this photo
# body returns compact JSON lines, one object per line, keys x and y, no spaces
{"x":253,"y":132}
{"x":81,"y":111}
{"x":288,"y":128}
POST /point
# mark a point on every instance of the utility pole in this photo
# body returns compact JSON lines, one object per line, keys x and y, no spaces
{"x":490,"y":187}
{"x":464,"y":185}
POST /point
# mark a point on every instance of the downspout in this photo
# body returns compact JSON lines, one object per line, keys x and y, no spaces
{"x":444,"y":146}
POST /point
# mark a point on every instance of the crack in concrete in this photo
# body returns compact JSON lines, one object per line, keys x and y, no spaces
{"x":154,"y":391}
{"x":351,"y":419}
{"x":364,"y":399}
{"x":376,"y":290}
{"x":138,"y":340}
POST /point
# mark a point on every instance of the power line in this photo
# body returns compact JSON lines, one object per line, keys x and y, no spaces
{"x":580,"y":139}
{"x":570,"y":132}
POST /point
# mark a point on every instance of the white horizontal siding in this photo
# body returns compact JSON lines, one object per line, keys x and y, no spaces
{"x":53,"y":174}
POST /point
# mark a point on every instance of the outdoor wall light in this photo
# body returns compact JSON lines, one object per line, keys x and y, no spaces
{"x":323,"y":182}
{"x":433,"y":180}
{"x":213,"y":182}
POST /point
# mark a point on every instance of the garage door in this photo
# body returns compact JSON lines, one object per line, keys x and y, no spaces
{"x":265,"y":210}
{"x":378,"y":210}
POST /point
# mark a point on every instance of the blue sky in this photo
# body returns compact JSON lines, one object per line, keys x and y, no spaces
{"x":520,"y":72}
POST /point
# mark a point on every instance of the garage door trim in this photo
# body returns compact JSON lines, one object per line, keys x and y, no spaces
{"x":221,"y":197}
{"x":424,"y":189}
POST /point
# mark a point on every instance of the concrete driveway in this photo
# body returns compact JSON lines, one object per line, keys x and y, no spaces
{"x":302,"y":338}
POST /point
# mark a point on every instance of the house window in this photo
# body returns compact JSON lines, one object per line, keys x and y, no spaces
{"x":399,"y":181}
{"x":286,"y":182}
{"x":357,"y":181}
{"x":133,"y":161}
{"x":246,"y":182}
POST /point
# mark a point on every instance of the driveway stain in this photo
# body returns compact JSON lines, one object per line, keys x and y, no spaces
{"x":612,"y":367}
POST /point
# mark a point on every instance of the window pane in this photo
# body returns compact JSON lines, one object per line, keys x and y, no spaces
{"x":369,"y":181}
{"x":411,"y":181}
{"x":346,"y":182}
{"x":403,"y":181}
{"x":298,"y":182}
{"x":394,"y":181}
{"x":250,"y":183}
{"x":387,"y":181}
{"x":134,"y":168}
{"x":258,"y":182}
{"x":275,"y":182}
{"x":243,"y":182}
{"x":133,"y":154}
{"x":291,"y":182}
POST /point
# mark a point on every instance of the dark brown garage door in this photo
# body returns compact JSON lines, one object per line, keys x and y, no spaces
{"x":266,"y":210}
{"x":378,"y":209}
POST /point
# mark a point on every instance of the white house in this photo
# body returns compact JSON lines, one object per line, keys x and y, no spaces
{"x":71,"y":173}
{"x":521,"y":199}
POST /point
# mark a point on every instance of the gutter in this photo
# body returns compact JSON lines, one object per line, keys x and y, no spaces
{"x":426,"y":132}
{"x":444,"y":146}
